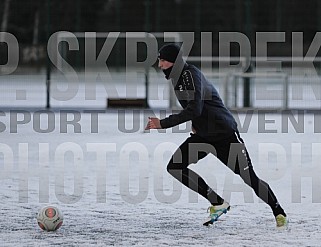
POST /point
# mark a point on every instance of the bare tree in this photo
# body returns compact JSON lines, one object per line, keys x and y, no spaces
{"x":5,"y":16}
{"x":36,"y":29}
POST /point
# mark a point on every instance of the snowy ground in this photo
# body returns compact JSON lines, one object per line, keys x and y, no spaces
{"x":115,"y":189}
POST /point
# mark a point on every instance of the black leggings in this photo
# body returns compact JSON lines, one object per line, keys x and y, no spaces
{"x":232,"y":153}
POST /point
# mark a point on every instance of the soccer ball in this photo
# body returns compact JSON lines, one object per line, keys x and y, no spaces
{"x":50,"y":218}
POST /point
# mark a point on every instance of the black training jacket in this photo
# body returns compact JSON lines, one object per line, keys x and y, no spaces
{"x":202,"y":105}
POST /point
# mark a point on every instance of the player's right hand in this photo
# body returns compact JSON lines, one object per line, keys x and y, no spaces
{"x":153,"y":123}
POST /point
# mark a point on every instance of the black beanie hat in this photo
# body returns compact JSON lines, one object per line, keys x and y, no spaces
{"x":170,"y":52}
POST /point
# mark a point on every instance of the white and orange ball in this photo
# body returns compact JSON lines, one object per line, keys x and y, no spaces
{"x":50,"y":218}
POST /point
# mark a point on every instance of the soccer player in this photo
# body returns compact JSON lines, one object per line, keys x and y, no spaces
{"x":214,"y":130}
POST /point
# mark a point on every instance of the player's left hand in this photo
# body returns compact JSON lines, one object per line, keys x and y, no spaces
{"x":153,"y":123}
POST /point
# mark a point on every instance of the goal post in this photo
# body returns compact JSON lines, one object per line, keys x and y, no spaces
{"x":259,"y":75}
{"x":296,"y":82}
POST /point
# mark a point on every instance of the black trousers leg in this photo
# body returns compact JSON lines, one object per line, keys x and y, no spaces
{"x":192,"y":150}
{"x":232,"y":152}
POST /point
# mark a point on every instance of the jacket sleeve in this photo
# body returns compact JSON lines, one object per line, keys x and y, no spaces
{"x":193,"y":94}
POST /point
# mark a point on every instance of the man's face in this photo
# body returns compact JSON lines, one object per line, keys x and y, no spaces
{"x":163,"y":64}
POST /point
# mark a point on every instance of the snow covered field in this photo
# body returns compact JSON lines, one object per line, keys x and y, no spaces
{"x":110,"y":181}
